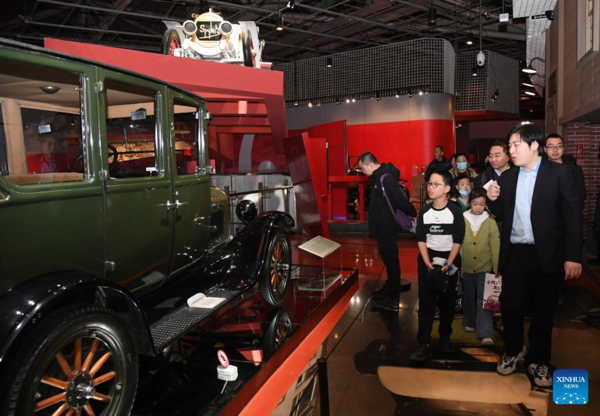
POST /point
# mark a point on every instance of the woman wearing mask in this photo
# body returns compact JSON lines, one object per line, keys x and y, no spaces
{"x":462,"y":167}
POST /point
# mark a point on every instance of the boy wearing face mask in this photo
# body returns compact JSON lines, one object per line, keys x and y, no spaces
{"x":463,"y":187}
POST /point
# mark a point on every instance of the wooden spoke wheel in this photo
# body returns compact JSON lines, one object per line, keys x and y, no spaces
{"x":275,"y":276}
{"x":78,"y":362}
{"x":280,"y":329}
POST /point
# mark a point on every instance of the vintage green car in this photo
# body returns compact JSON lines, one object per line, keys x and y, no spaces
{"x":108,"y":226}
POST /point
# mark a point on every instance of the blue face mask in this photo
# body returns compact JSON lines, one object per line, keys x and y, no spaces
{"x":463,"y":192}
{"x":462,"y":165}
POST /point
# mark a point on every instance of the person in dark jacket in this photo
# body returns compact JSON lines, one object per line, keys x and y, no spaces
{"x":383,"y":224}
{"x":499,"y":159}
{"x":554,"y":150}
{"x":439,"y":162}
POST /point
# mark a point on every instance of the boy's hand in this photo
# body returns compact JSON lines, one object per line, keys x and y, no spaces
{"x":429,"y":266}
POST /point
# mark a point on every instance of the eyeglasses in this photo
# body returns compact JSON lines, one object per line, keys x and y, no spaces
{"x":434,"y":184}
{"x":557,"y":147}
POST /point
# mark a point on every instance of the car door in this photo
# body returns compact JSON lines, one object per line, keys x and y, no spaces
{"x":191,"y":180}
{"x":138,"y":182}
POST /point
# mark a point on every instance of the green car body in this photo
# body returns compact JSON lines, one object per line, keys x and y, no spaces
{"x":120,"y":212}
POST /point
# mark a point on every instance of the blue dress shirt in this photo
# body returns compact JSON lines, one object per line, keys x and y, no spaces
{"x":522,"y":232}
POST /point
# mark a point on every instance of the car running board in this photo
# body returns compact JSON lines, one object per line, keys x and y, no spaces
{"x":171,"y":327}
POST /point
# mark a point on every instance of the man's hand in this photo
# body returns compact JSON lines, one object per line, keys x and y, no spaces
{"x":572,"y":270}
{"x":493,"y":191}
{"x":429,"y":266}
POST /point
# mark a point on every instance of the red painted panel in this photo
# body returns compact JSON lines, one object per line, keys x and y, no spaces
{"x":305,"y":159}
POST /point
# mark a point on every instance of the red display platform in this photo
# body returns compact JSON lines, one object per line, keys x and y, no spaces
{"x":240,"y":99}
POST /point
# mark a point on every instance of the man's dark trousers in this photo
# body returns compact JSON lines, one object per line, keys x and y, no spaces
{"x":429,"y":299}
{"x":526,"y":287}
{"x":388,"y":250}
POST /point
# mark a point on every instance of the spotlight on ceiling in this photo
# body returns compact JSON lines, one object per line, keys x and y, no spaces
{"x":549,"y":14}
{"x":410,"y":94}
{"x":310,"y":104}
{"x":529,"y":69}
{"x":329,"y":62}
{"x":291,"y":4}
{"x":296,"y":103}
{"x":528,"y":84}
{"x":49,"y":89}
{"x":279,"y":26}
{"x":432,"y":19}
{"x":495,"y":95}
{"x":397,"y":93}
{"x":353,"y":99}
{"x":420,"y":92}
{"x":470,"y":39}
{"x":347,"y":99}
{"x":530,"y":93}
{"x":474,"y":71}
{"x":337,"y":101}
{"x":378,"y":96}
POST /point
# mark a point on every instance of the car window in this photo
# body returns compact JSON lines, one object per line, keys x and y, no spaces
{"x":186,"y":137}
{"x":131,"y":130}
{"x":41,"y":129}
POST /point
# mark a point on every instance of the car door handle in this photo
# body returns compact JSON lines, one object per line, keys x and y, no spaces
{"x":178,"y":204}
{"x":168,"y":204}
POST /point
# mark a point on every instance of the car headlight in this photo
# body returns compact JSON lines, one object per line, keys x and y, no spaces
{"x":189,"y":27}
{"x":225,"y":28}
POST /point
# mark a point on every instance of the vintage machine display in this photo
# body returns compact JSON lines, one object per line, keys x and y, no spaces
{"x":109,"y":226}
{"x":211,"y":38}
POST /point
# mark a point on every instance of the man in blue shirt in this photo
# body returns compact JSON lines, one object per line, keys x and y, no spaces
{"x":540,"y":247}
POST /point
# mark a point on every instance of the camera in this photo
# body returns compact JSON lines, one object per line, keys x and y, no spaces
{"x":481,"y":58}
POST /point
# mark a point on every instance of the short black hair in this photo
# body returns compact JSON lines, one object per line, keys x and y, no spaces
{"x":529,"y":133}
{"x":503,"y":144}
{"x":446,"y":177}
{"x":459,"y":178}
{"x":367,"y":157}
{"x":462,"y":154}
{"x":477,"y":193}
{"x":555,"y":136}
{"x":439,"y":147}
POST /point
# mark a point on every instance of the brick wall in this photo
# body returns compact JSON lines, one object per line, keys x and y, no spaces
{"x":587,"y":135}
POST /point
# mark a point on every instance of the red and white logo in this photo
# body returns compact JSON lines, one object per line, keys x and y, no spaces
{"x":223,"y":358}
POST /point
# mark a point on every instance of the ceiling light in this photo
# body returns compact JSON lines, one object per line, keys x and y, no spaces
{"x":397,"y":93}
{"x":410,"y":94}
{"x":279,"y":27}
{"x":337,"y":101}
{"x":474,"y":71}
{"x":549,"y":14}
{"x":310,"y":104}
{"x":470,"y":39}
{"x":420,"y":92}
{"x":378,"y":96}
{"x":530,"y":93}
{"x":528,"y":84}
{"x":432,"y":19}
{"x":353,"y":99}
{"x":291,"y":4}
{"x":49,"y":89}
{"x":329,"y":62}
{"x":347,"y":99}
{"x":529,"y":70}
{"x":296,"y":103}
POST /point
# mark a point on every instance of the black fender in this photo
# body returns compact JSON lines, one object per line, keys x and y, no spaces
{"x":237,"y":265}
{"x":22,"y":307}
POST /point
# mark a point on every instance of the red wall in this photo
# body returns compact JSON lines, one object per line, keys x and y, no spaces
{"x":404,"y":143}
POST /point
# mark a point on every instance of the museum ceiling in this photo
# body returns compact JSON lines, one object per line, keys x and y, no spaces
{"x":311,"y":28}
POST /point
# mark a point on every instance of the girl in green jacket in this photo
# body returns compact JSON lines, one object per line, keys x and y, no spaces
{"x":480,"y":251}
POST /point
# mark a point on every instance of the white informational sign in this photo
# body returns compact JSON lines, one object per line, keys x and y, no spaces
{"x":320,"y":246}
{"x":199,"y":300}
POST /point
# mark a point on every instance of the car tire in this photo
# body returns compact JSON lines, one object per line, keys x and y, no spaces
{"x":170,"y":42}
{"x":275,"y":275}
{"x":78,"y":358}
{"x":247,"y":48}
{"x":278,"y":332}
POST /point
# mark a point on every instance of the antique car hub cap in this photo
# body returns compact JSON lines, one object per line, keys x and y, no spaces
{"x":80,"y":390}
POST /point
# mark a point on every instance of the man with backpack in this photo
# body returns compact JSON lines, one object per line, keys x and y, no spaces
{"x":388,"y":208}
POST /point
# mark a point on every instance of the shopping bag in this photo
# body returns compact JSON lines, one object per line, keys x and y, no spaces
{"x":491,"y":292}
